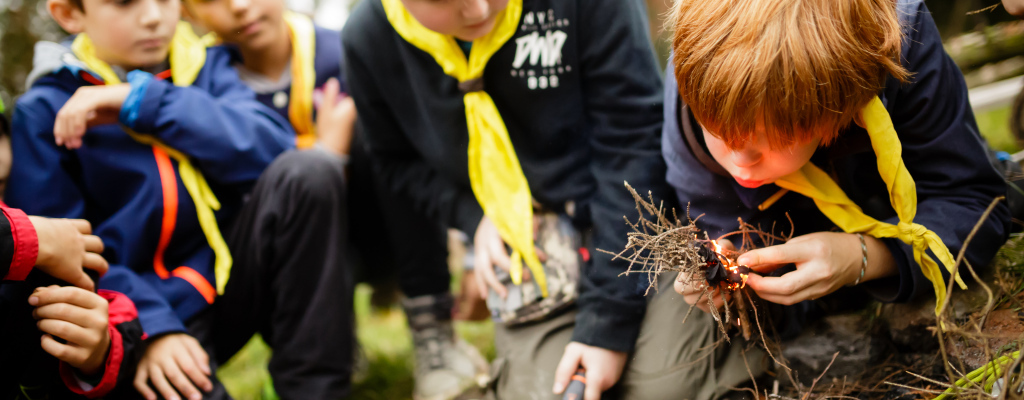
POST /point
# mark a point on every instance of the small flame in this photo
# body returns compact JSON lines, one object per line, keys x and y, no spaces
{"x":730,"y":266}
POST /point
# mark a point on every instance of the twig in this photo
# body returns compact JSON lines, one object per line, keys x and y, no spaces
{"x":815,"y":382}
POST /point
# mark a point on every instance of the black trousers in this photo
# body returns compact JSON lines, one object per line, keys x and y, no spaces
{"x":392,"y":240}
{"x":290,"y":281}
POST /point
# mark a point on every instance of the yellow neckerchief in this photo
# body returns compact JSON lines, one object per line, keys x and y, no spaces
{"x":494,"y":172}
{"x":812,"y":182}
{"x":303,"y":67}
{"x":300,"y":108}
{"x":187,"y":57}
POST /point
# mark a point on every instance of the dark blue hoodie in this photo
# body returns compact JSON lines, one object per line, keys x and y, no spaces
{"x":124,"y":189}
{"x":941,"y":148}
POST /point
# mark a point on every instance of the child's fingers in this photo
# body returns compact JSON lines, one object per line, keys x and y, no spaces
{"x":768,"y":259}
{"x":191,"y":371}
{"x":82,"y":280}
{"x":199,"y":355}
{"x":568,"y":365}
{"x":173,"y":371}
{"x":65,"y":352}
{"x":347,"y":107}
{"x":83,"y":226}
{"x":65,"y":330}
{"x":96,"y":263}
{"x":541,"y":255}
{"x":93,"y":243}
{"x":71,"y":295}
{"x":485,"y":277}
{"x":159,"y":380}
{"x":496,"y":249}
{"x":70,"y":313}
{"x":783,"y":289}
{"x":141,"y":383}
{"x":331,"y":89}
{"x":76,"y":129}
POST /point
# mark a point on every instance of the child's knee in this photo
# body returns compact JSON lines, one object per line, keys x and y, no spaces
{"x":318,"y":176}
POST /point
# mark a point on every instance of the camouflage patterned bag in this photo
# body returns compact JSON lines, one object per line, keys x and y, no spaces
{"x":564,"y":246}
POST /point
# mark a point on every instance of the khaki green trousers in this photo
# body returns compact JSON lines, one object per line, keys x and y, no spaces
{"x":671,"y":360}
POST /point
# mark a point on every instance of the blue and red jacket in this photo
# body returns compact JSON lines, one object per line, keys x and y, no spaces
{"x":133,"y":194}
{"x":19,"y":247}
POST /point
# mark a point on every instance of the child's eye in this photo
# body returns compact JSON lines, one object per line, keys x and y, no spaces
{"x":123,"y":3}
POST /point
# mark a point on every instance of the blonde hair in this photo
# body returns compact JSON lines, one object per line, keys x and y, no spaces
{"x":802,"y":67}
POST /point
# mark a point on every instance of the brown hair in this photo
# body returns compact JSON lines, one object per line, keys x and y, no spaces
{"x":802,"y":67}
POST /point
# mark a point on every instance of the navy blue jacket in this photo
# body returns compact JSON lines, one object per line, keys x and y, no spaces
{"x":942,"y":150}
{"x":327,"y":62}
{"x":115,"y":182}
{"x":579,"y":90}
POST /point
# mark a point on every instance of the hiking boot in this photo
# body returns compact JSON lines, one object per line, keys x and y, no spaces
{"x":446,"y":366}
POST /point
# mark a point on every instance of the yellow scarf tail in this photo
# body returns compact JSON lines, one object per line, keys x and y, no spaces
{"x":494,"y":172}
{"x":300,"y":96}
{"x":814,"y":183}
{"x":300,"y":106}
{"x":187,"y":57}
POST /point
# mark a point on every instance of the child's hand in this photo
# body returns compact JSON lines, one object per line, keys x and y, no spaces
{"x":77,"y":316}
{"x":825,"y":261}
{"x":693,"y":294}
{"x":488,"y":251}
{"x":89,"y":106}
{"x":1014,"y":7}
{"x":174,"y":359}
{"x":604,"y":368}
{"x":65,"y":247}
{"x":336,"y":119}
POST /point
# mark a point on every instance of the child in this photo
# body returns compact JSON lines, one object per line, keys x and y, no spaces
{"x":100,"y":332}
{"x":293,"y":65}
{"x":194,"y":155}
{"x":555,"y":108}
{"x":768,"y":114}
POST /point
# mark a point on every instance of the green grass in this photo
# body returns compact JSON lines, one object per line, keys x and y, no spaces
{"x":995,"y":127}
{"x":384,"y":373}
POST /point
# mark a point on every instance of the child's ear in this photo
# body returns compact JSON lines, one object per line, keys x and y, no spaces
{"x":67,"y":15}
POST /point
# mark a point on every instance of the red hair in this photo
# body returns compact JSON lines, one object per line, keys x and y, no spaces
{"x":804,"y":68}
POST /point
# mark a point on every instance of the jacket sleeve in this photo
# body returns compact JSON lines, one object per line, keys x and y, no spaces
{"x":44,"y":181}
{"x":19,"y":245}
{"x":228,"y":133}
{"x":122,"y":356}
{"x":398,"y":162}
{"x":947,"y":157}
{"x":623,"y":91}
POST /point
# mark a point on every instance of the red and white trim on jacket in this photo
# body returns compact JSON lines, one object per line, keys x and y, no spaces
{"x":120,"y":310}
{"x":26,"y":244}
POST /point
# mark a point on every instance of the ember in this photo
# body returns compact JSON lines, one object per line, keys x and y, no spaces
{"x":721,"y":270}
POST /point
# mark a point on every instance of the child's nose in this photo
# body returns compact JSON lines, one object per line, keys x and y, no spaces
{"x":239,"y":6}
{"x":746,"y":157}
{"x":150,"y":14}
{"x":475,"y":10}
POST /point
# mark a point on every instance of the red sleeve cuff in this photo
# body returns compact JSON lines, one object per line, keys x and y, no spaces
{"x":26,"y":244}
{"x":110,"y":370}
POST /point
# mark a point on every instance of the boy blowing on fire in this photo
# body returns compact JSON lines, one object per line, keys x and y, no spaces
{"x":850,"y":117}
